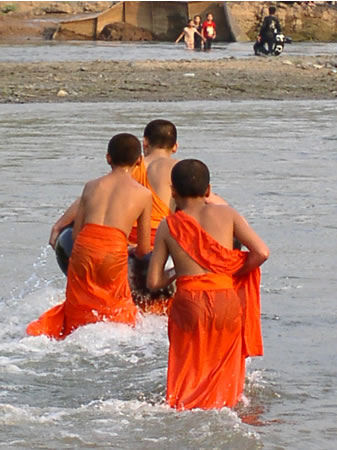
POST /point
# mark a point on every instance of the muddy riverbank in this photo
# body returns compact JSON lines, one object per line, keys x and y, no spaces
{"x":285,"y":77}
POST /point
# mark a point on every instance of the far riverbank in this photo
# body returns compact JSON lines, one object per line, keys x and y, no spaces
{"x":285,"y":77}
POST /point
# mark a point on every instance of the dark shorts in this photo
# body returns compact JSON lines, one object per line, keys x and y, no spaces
{"x":208,"y":44}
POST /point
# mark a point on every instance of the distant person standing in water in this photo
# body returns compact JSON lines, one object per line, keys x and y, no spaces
{"x":197,"y":37}
{"x":189,"y":33}
{"x":208,"y":31}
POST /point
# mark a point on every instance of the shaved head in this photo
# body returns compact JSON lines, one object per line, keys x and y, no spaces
{"x":124,"y":149}
{"x":190,"y":178}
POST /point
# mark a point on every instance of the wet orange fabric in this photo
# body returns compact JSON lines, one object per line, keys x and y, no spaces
{"x":97,"y":286}
{"x":159,"y":306}
{"x":214,"y":322}
{"x":159,"y":208}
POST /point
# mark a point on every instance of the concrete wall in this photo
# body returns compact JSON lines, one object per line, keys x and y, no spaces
{"x":165,"y":19}
{"x":78,"y":29}
{"x":168,"y":19}
{"x":114,"y":14}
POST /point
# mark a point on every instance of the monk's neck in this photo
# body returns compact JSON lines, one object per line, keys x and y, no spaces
{"x":118,"y":170}
{"x":190,"y":205}
{"x":156,"y":153}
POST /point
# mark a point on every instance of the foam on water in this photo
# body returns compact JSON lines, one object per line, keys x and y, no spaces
{"x":105,"y":384}
{"x":108,"y":421}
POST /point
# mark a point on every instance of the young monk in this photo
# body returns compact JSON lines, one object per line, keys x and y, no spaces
{"x":154,"y":172}
{"x":214,"y":320}
{"x":97,"y":285}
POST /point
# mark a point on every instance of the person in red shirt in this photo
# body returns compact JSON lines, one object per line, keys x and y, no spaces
{"x":208,"y":31}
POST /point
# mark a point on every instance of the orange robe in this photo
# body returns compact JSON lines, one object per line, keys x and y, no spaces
{"x":159,"y":209}
{"x":97,"y":286}
{"x":214,"y":322}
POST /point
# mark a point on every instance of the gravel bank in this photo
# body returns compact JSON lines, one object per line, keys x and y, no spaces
{"x":100,"y":81}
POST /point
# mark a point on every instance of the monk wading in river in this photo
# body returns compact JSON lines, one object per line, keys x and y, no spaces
{"x":97,"y":286}
{"x":153,"y":172}
{"x":214,"y":320}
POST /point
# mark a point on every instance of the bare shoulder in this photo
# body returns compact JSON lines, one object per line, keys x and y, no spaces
{"x":91,"y":185}
{"x":216,"y":199}
{"x":142,"y":191}
{"x":222,"y":209}
{"x":173,"y":161}
{"x":163,"y":230}
{"x":162,"y":164}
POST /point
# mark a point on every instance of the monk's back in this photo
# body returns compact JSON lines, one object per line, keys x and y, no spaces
{"x":217,"y":221}
{"x":114,"y":200}
{"x":159,"y":177}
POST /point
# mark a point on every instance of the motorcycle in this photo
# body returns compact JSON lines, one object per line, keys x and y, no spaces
{"x":279,"y":41}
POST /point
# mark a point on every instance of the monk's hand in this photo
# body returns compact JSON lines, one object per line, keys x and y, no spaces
{"x":169,"y":276}
{"x":132,"y":250}
{"x":55,"y":231}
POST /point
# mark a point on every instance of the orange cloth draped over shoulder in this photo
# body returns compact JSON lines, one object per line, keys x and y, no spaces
{"x":97,"y":286}
{"x":214,"y":322}
{"x":159,"y":208}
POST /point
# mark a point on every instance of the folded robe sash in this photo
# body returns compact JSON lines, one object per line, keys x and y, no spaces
{"x":97,"y":285}
{"x":159,"y":209}
{"x":214,"y":322}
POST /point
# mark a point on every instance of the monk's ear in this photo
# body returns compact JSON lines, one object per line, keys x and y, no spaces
{"x":138,"y":162}
{"x":173,"y":192}
{"x":174,"y":148}
{"x":108,"y":159}
{"x":208,"y":191}
{"x":145,"y":146}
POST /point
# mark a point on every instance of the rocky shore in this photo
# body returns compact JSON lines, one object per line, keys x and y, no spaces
{"x":20,"y":20}
{"x":284,"y":77}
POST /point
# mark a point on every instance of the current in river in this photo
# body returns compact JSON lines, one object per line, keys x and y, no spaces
{"x":104,"y":386}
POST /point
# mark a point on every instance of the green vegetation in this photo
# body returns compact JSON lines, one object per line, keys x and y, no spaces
{"x":8,"y":8}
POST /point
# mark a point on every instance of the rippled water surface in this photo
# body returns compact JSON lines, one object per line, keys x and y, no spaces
{"x":104,"y":386}
{"x":37,"y":51}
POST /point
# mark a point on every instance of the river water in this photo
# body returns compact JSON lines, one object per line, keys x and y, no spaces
{"x":104,"y":386}
{"x":52,"y":51}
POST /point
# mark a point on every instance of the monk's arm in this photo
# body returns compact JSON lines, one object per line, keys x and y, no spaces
{"x":144,"y":228}
{"x":157,"y":277}
{"x":66,"y":219}
{"x":79,"y":219}
{"x":258,"y":250}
